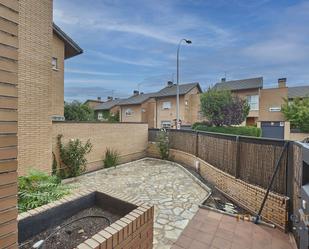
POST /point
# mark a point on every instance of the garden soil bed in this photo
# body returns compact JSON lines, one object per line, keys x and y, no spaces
{"x":71,"y":236}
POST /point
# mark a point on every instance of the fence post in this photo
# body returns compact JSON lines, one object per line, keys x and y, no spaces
{"x":237,"y":157}
{"x":196,"y":144}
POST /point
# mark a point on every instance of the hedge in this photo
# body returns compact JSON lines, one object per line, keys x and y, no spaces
{"x":234,"y":130}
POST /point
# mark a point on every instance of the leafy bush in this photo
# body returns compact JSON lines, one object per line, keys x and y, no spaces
{"x":111,"y":158}
{"x":37,"y":189}
{"x":73,"y":157}
{"x":221,"y":108}
{"x":163,"y":144}
{"x":76,"y":111}
{"x":297,"y":112}
{"x":111,"y":117}
{"x":234,"y":130}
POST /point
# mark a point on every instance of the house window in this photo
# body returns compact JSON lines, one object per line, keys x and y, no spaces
{"x":54,"y":63}
{"x":129,"y":112}
{"x":166,"y":105}
{"x":100,"y":116}
{"x":253,"y":102}
{"x":166,"y":124}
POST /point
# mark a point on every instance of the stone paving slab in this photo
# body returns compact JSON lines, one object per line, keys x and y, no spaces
{"x":174,"y":194}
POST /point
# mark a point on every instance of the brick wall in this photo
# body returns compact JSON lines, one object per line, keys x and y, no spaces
{"x":34,"y":90}
{"x":244,"y":194}
{"x":129,"y":139}
{"x":58,"y":77}
{"x":8,"y":122}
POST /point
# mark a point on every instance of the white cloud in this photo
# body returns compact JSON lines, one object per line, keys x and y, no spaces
{"x":137,"y":62}
{"x":280,"y":51}
{"x":98,"y":73}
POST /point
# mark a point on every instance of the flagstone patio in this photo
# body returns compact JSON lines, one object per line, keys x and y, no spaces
{"x":166,"y":185}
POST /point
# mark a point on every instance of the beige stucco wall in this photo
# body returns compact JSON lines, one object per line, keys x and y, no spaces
{"x":58,"y":77}
{"x":149,"y":112}
{"x":136,"y":115}
{"x":272,"y":98}
{"x":34,"y":89}
{"x":244,"y":94}
{"x":130,"y":140}
{"x":170,"y":114}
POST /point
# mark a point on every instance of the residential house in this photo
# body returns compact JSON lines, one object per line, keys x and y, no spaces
{"x":271,"y":119}
{"x":111,"y":106}
{"x":43,"y":47}
{"x":188,"y":104}
{"x":92,"y":103}
{"x":158,"y":109}
{"x":247,"y":89}
{"x":63,"y":48}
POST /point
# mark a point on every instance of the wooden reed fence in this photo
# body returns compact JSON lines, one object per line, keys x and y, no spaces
{"x":250,"y":159}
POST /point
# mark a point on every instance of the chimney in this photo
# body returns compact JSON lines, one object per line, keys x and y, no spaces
{"x":282,"y":82}
{"x":109,"y":98}
{"x":223,"y":79}
{"x":99,"y":98}
{"x":135,"y":92}
{"x":170,"y":83}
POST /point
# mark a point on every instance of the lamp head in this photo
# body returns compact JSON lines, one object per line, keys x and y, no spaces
{"x":188,"y":41}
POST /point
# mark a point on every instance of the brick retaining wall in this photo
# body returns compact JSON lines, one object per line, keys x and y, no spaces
{"x":134,"y":230}
{"x":244,"y":194}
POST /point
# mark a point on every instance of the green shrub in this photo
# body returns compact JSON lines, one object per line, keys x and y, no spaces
{"x":297,"y":112}
{"x":233,"y":130}
{"x":111,"y":158}
{"x":163,"y":144}
{"x":73,"y":157}
{"x":76,"y":111}
{"x":37,"y":189}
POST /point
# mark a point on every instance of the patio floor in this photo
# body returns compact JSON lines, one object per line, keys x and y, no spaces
{"x":174,"y":194}
{"x":211,"y":230}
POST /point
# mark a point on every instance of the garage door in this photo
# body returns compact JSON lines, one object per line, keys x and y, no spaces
{"x":273,"y":129}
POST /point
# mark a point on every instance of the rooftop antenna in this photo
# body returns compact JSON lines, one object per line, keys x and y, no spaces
{"x":224,"y":74}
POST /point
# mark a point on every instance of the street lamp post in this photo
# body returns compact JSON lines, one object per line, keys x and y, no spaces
{"x":177,"y":93}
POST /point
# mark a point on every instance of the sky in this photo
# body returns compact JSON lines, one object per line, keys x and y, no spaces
{"x":132,"y":44}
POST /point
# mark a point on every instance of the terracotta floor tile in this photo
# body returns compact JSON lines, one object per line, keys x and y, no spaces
{"x":279,"y":244}
{"x":207,"y":230}
{"x":204,"y":237}
{"x":228,"y":219}
{"x":215,"y":215}
{"x":221,"y":243}
{"x":229,"y":226}
{"x":198,"y":245}
{"x":195,"y":224}
{"x":225,"y":234}
{"x":184,"y":241}
{"x":239,"y":246}
{"x":190,"y":232}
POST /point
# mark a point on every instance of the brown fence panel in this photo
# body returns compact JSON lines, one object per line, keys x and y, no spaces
{"x":218,"y":150}
{"x":183,"y":140}
{"x":152,"y":135}
{"x":257,"y":163}
{"x":250,"y":159}
{"x":8,"y":122}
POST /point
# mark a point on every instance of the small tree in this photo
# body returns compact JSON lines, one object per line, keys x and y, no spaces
{"x":73,"y":157}
{"x":76,"y":111}
{"x":297,"y":112}
{"x":163,"y":144}
{"x":220,"y":107}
